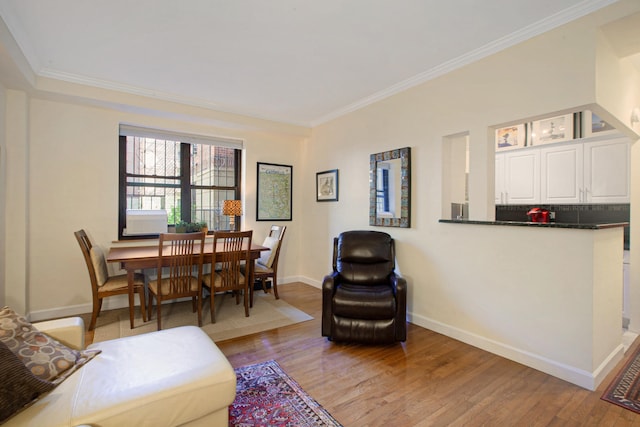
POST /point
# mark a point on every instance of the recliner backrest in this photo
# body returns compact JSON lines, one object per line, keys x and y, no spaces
{"x":364,"y":257}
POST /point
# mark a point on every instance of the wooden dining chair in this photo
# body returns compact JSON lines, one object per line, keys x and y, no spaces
{"x":179,"y":254}
{"x":230,"y":252}
{"x":266,"y":267}
{"x":103,"y":285}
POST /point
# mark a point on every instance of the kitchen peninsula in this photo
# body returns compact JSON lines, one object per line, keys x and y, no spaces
{"x":540,"y":224}
{"x":545,"y":295}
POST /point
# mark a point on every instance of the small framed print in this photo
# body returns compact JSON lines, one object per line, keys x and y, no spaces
{"x":510,"y":137}
{"x":593,"y":125}
{"x":554,"y":129}
{"x":327,"y":186}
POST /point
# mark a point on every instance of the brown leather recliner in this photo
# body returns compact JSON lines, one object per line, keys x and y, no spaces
{"x":364,"y":300}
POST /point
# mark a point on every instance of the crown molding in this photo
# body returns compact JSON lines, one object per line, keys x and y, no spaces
{"x":567,"y":15}
{"x":563,"y":17}
{"x":155,"y":94}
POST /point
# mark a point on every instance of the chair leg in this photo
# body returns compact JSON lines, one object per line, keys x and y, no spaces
{"x":150,"y":306}
{"x":159,"y":310}
{"x":213,"y":307}
{"x":142,"y":304}
{"x":200,"y":310}
{"x":274,"y":282}
{"x":246,"y":301}
{"x":97,"y":305}
{"x":193,"y":304}
{"x":251,"y":295}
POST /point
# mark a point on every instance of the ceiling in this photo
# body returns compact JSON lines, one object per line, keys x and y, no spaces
{"x":293,"y":61}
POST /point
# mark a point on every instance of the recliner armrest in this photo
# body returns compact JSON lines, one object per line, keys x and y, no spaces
{"x":69,"y":331}
{"x":328,"y":288}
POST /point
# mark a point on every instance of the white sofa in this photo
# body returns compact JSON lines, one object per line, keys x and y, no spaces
{"x":168,"y":378}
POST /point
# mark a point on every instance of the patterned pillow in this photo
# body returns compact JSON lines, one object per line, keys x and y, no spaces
{"x":43,"y":356}
{"x":19,"y":388}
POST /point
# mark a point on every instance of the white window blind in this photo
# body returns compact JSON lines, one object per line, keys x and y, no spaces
{"x":130,"y":130}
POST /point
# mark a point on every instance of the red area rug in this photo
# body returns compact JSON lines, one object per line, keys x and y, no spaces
{"x":267,"y":396}
{"x":624,"y":390}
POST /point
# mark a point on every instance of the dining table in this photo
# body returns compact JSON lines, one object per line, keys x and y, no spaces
{"x":133,"y":258}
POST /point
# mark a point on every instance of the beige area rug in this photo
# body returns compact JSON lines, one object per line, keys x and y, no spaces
{"x":267,"y":313}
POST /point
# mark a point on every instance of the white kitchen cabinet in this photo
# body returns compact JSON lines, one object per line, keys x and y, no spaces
{"x":607,"y":170}
{"x":561,"y":174}
{"x":581,"y":171}
{"x":518,"y":177}
{"x":500,"y":179}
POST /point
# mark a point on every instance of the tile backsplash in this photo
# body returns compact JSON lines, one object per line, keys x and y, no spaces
{"x":572,"y":214}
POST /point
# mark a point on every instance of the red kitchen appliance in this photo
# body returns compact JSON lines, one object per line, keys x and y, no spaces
{"x":538,"y":215}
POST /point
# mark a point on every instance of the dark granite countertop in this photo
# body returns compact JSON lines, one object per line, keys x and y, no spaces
{"x":538,"y":224}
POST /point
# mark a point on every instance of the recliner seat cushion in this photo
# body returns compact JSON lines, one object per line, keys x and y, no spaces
{"x":364,"y":331}
{"x":364,"y":302}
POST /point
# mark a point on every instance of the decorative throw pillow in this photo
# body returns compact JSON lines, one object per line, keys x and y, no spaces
{"x":99,"y":265}
{"x":266,"y":257}
{"x":19,"y":388}
{"x":42,"y":355}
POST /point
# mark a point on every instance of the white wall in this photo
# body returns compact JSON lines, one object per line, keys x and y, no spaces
{"x":71,"y":179}
{"x":3,"y":186}
{"x":454,"y":279}
{"x":16,"y":201}
{"x":62,"y":176}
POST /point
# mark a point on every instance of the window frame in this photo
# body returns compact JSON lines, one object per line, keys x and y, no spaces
{"x":185,"y":182}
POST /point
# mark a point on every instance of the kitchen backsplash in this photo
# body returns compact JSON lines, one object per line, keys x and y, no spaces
{"x":572,"y":214}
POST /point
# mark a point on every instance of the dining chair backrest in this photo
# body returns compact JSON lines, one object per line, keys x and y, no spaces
{"x":179,"y":254}
{"x":104,"y":285}
{"x":234,"y":248}
{"x":274,"y":242}
{"x":94,"y":258}
{"x":277,"y":231}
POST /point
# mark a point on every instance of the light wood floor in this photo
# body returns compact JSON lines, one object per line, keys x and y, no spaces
{"x":430,"y":380}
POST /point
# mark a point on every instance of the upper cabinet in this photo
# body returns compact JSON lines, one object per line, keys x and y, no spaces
{"x":607,"y":171}
{"x":562,"y":174}
{"x":596,"y":171}
{"x":519,"y":180}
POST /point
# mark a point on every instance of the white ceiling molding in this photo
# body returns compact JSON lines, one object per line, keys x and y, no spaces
{"x":273,"y":84}
{"x":512,"y":39}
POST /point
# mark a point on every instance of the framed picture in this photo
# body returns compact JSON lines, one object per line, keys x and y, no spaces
{"x":510,"y":137}
{"x":274,"y":192}
{"x":327,"y":186}
{"x":593,"y":125}
{"x":554,"y":129}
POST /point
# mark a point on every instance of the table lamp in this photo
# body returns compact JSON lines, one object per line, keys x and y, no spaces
{"x":232,"y":208}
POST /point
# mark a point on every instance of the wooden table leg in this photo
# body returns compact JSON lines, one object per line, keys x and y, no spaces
{"x":130,"y":274}
{"x":249,"y":289}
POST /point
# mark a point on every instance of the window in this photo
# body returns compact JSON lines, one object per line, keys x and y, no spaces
{"x":189,"y":177}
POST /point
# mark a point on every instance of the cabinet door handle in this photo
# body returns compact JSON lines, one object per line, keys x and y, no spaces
{"x":580,"y":196}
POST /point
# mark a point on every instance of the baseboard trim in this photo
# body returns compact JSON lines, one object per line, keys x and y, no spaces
{"x":579,"y":377}
{"x":122,"y":301}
